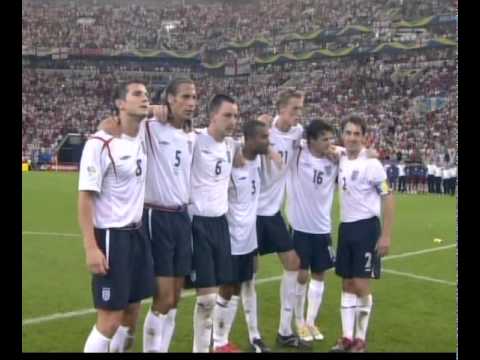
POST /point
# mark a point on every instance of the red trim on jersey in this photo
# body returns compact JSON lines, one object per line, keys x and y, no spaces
{"x":106,"y":145}
{"x":149,"y":135}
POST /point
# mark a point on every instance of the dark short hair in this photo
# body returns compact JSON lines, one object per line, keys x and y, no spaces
{"x":356,"y":120}
{"x":250,"y":128}
{"x":174,"y":84}
{"x":286,"y":95}
{"x":217,"y":101}
{"x":120,"y":92}
{"x":317,"y":128}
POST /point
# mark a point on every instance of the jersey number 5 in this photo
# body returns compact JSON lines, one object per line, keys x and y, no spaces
{"x":177,"y":158}
{"x":254,"y":189}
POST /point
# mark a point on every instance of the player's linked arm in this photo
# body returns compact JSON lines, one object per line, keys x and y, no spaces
{"x":111,"y":124}
{"x":95,"y":259}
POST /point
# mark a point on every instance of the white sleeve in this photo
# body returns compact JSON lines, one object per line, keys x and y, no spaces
{"x":91,"y":167}
{"x":377,"y":177}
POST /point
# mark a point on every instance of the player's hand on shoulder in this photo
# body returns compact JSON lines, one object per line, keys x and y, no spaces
{"x":266,"y":119}
{"x":332,"y":154}
{"x":238,"y":159}
{"x":275,"y":157}
{"x":96,"y":261}
{"x":383,"y":246}
{"x":160,"y":112}
{"x":371,"y":153}
{"x":111,"y":125}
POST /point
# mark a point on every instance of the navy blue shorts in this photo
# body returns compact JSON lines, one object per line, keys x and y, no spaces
{"x":272,"y":234}
{"x":212,"y":257}
{"x":130,"y":276}
{"x":314,"y":250}
{"x":356,"y":254}
{"x":243,"y":267}
{"x":171,"y":236}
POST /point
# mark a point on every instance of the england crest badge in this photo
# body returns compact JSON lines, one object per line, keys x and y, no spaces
{"x":105,"y":294}
{"x":354,"y":175}
{"x":328,"y":170}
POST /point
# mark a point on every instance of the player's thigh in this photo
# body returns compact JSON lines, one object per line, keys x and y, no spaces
{"x":203,"y":261}
{"x":111,"y":291}
{"x":343,"y":258}
{"x":366,"y":262}
{"x":273,"y":235}
{"x":222,"y":251}
{"x":323,"y":256}
{"x":243,"y":267}
{"x":143,"y":278}
{"x":162,"y":240}
{"x":182,"y":228}
{"x":303,"y":244}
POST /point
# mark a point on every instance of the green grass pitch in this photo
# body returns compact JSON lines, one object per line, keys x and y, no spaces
{"x":414,"y":302}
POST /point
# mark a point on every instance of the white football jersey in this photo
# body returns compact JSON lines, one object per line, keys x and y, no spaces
{"x":243,"y":194}
{"x":401,"y":170}
{"x":310,"y":191}
{"x":430,"y":169}
{"x":438,"y":171}
{"x":445,"y":173}
{"x":274,"y":178}
{"x":170,"y":153}
{"x":361,"y":183}
{"x":210,"y":175}
{"x":115,"y":169}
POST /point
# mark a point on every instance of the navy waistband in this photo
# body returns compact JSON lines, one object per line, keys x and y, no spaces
{"x":180,"y":208}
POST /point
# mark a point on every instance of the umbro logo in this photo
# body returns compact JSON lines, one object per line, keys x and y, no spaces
{"x":162,"y":142}
{"x":125,"y":157}
{"x":206,"y":152}
{"x":242,"y":178}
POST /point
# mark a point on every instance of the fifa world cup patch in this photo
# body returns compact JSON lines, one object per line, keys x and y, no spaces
{"x":91,"y":170}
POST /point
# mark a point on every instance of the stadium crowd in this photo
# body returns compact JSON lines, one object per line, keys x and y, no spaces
{"x":391,"y":94}
{"x":144,"y":25}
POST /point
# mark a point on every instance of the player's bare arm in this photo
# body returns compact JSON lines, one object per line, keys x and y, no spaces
{"x":273,"y":155}
{"x":96,"y":262}
{"x":384,"y":242}
{"x":111,"y":125}
{"x":159,"y":112}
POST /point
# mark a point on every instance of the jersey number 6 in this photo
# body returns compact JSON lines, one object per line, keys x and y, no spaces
{"x":218,"y":169}
{"x":138,"y":172}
